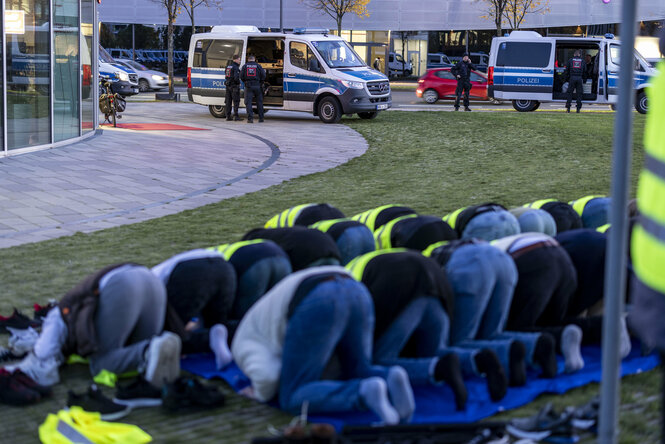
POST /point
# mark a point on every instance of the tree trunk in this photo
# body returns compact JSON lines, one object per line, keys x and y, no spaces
{"x":170,"y":57}
{"x":191,"y":16}
{"x":339,"y":25}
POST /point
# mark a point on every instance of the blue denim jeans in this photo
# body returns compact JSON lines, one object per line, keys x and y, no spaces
{"x":491,"y":225}
{"x":354,"y":242}
{"x":483,"y":279}
{"x":537,"y":221}
{"x":336,"y":317}
{"x":596,"y":212}
{"x":425,"y":324}
{"x":256,"y":281}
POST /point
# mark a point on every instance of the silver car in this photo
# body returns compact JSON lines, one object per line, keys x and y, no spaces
{"x":148,"y":78}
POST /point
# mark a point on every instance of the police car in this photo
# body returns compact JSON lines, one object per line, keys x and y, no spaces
{"x":307,"y":70}
{"x":528,"y":69}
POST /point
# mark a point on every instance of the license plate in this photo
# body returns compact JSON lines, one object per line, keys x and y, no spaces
{"x":382,"y":106}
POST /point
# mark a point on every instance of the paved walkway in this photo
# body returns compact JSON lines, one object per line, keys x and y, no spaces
{"x":125,"y":176}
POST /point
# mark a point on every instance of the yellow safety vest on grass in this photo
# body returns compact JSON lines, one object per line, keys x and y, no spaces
{"x":648,"y":241}
{"x":227,"y":250}
{"x":579,"y":204}
{"x":539,"y":203}
{"x":382,"y":236}
{"x":369,"y":217}
{"x":357,"y":266}
{"x":287,"y":218}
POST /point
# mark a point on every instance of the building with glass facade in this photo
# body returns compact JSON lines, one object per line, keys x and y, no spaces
{"x":48,"y":76}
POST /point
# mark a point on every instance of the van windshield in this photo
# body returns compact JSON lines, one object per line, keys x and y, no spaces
{"x":337,"y":54}
{"x":615,"y":55}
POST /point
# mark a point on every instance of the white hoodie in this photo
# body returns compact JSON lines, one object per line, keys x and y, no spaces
{"x":259,"y":340}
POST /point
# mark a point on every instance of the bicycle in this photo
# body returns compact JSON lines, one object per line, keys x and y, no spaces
{"x":110,"y":103}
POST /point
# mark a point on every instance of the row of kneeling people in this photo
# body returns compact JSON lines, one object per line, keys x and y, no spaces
{"x":377,"y":303}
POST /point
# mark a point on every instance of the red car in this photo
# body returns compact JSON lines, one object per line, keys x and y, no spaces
{"x":440,"y":83}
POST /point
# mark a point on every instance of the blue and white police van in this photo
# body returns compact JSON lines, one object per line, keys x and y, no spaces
{"x":528,"y":69}
{"x":307,"y":70}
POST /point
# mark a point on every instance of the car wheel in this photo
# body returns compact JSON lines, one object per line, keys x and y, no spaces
{"x":407,"y":73}
{"x":642,"y":102}
{"x":430,"y":96}
{"x":330,"y":110}
{"x":368,"y":115}
{"x":218,"y":111}
{"x":144,"y":86}
{"x":613,"y":107}
{"x":525,"y":106}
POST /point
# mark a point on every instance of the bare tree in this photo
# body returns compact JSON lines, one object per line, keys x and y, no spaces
{"x":516,"y":10}
{"x":495,"y":12}
{"x":172,"y":11}
{"x":190,"y":5}
{"x":338,"y":8}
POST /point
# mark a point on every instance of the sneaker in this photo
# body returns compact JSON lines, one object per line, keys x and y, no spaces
{"x":163,"y":359}
{"x":27,"y":381}
{"x":547,"y":422}
{"x":7,"y":355}
{"x":186,"y":393}
{"x":467,"y":109}
{"x":237,"y":118}
{"x":250,"y":120}
{"x":139,"y":393}
{"x":567,"y":109}
{"x":12,"y":392}
{"x":229,"y":118}
{"x":95,"y":401}
{"x":22,"y":341}
{"x":261,"y":120}
{"x":457,"y":108}
{"x":17,"y":320}
{"x":42,"y":371}
{"x":40,"y":311}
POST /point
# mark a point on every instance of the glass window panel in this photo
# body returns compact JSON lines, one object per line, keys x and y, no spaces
{"x":2,"y":85}
{"x":87,"y":83}
{"x":524,"y":54}
{"x":28,"y":76}
{"x":66,"y":70}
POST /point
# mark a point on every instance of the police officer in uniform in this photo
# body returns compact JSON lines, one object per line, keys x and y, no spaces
{"x":253,"y":75}
{"x":233,"y":88}
{"x":462,"y":72}
{"x":576,"y":73}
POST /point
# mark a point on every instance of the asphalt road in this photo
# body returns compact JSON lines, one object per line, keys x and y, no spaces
{"x":407,"y":101}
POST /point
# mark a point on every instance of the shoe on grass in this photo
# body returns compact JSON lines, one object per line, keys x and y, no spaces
{"x":188,"y":393}
{"x":18,"y":321}
{"x":163,"y":359}
{"x":138,"y":393}
{"x":94,"y":401}
{"x":13,"y":392}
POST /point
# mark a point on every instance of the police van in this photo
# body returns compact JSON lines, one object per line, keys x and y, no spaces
{"x":307,"y":70}
{"x":528,"y":69}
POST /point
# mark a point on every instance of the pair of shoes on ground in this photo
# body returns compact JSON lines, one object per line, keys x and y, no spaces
{"x":18,"y":321}
{"x":93,"y":400}
{"x":233,"y":119}
{"x":18,"y":389}
{"x":42,"y":371}
{"x":465,"y":109}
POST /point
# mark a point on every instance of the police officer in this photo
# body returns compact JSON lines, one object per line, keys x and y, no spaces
{"x":576,"y":73}
{"x":253,"y":75}
{"x":462,"y":72}
{"x":233,"y":88}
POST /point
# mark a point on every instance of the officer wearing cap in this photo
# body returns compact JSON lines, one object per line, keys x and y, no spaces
{"x":576,"y":76}
{"x":462,"y":72}
{"x":232,"y":83}
{"x":253,"y":75}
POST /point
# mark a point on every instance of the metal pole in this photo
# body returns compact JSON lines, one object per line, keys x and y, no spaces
{"x":133,"y":42}
{"x":281,"y":15}
{"x":615,"y":265}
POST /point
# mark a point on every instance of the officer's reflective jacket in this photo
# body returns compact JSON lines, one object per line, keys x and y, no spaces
{"x":414,"y":232}
{"x":305,"y":214}
{"x":376,"y":217}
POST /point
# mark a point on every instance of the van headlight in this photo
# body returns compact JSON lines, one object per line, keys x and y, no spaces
{"x":354,"y":85}
{"x":157,"y":78}
{"x":123,"y":76}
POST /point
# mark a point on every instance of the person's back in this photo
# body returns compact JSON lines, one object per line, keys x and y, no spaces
{"x":253,"y":75}
{"x":576,"y":74}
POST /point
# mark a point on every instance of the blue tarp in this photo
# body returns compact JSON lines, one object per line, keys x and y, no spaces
{"x":434,"y":404}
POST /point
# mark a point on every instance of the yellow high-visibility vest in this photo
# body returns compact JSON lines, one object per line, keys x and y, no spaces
{"x":428,"y":251}
{"x":369,"y":217}
{"x":648,"y":238}
{"x":382,"y":236}
{"x":579,"y":204}
{"x":325,"y":225}
{"x":539,"y":203}
{"x":227,"y":250}
{"x":287,"y":218}
{"x":603,"y":228}
{"x":451,"y":218}
{"x":357,"y":266}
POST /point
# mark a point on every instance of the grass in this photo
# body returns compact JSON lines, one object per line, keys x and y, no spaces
{"x":433,"y":162}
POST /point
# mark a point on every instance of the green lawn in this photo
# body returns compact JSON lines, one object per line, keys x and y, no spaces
{"x":433,"y":162}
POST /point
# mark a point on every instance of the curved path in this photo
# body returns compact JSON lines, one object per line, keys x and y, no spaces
{"x":125,"y":176}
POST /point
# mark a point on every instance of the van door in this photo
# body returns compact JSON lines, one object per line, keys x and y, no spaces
{"x":612,"y":72}
{"x":524,"y":70}
{"x":303,"y":75}
{"x":211,"y":56}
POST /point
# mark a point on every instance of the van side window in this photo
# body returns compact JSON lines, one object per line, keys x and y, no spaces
{"x":526,"y":54}
{"x":302,"y":57}
{"x":215,"y":53}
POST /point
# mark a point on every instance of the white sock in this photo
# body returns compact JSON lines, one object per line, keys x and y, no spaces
{"x":374,"y":393}
{"x":624,"y":341}
{"x":571,"y":341}
{"x":401,"y":394}
{"x":219,"y":345}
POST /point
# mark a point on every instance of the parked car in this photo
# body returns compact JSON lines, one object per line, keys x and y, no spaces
{"x":398,"y":67}
{"x":438,"y":60}
{"x":441,"y":84}
{"x":148,"y":79}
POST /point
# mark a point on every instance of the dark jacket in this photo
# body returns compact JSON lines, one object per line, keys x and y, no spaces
{"x":396,"y":279}
{"x":252,"y":73}
{"x":232,"y":75}
{"x":470,"y":212}
{"x":575,"y":68}
{"x":463,"y":69}
{"x":78,"y":309}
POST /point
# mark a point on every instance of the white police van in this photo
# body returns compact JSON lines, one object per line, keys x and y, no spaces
{"x":528,"y":69}
{"x":307,"y":70}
